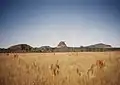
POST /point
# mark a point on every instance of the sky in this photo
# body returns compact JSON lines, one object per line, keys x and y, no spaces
{"x":47,"y":22}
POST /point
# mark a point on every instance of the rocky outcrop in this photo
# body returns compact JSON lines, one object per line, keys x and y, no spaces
{"x":62,"y":45}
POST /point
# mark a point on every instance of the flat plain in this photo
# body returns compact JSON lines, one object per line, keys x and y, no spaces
{"x":69,"y":68}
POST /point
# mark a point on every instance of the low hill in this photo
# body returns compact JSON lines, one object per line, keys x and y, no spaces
{"x":20,"y":48}
{"x":100,"y":45}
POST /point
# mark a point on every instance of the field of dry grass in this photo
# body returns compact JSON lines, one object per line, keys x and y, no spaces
{"x":59,"y":68}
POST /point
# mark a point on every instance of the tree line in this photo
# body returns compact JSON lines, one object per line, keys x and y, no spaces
{"x":46,"y":49}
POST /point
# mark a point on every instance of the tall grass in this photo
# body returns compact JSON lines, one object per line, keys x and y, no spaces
{"x":25,"y":70}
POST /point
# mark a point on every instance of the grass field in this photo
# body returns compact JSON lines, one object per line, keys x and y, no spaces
{"x":35,"y":68}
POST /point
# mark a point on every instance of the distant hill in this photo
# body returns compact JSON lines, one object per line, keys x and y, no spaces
{"x":100,"y":45}
{"x":20,"y":48}
{"x":62,"y":45}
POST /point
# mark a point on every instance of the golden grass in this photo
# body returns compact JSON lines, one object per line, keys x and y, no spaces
{"x":33,"y":68}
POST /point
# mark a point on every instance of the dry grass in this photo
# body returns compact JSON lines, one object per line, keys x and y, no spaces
{"x":59,"y":68}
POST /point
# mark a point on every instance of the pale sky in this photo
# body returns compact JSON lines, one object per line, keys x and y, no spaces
{"x":47,"y":22}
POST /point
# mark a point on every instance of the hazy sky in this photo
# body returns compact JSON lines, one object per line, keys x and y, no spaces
{"x":47,"y":22}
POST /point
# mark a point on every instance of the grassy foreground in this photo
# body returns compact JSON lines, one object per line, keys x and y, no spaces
{"x":40,"y":68}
